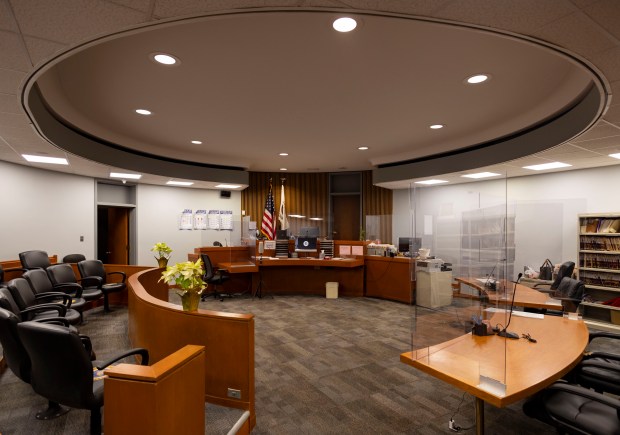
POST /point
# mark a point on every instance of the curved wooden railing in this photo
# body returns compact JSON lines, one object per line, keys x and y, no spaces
{"x":228,"y":338}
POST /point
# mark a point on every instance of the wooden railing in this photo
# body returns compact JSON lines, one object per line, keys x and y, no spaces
{"x":163,"y":328}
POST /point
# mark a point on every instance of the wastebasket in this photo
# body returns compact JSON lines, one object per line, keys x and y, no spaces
{"x":331,"y":290}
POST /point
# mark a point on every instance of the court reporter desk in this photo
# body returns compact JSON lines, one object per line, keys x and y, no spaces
{"x":528,"y":367}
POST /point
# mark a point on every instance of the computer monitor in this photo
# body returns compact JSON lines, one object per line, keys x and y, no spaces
{"x":282,"y":235}
{"x":305,"y":244}
{"x":409,"y":244}
{"x":309,"y":232}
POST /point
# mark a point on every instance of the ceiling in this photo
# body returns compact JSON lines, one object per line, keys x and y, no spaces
{"x":253,"y":83}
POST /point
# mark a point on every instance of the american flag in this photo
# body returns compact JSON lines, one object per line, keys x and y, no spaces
{"x":268,"y":227}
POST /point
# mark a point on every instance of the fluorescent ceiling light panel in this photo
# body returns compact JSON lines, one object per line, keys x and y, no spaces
{"x":179,"y":183}
{"x":362,"y":148}
{"x":127,"y":176}
{"x":481,"y":175}
{"x":228,"y":186}
{"x":615,"y":156}
{"x":316,"y":219}
{"x":345,"y":24}
{"x":284,"y":154}
{"x":436,"y":126}
{"x":196,"y":142}
{"x":143,"y":112}
{"x":45,"y":159}
{"x":296,"y":216}
{"x":544,"y":166}
{"x":429,"y":182}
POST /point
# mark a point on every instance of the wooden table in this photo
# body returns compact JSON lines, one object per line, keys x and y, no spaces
{"x":525,"y":296}
{"x":523,"y":367}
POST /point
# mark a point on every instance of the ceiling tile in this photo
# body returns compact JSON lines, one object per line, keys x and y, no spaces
{"x":14,"y":55}
{"x":606,"y":151}
{"x":9,"y":104}
{"x":171,"y":8}
{"x":422,"y":7}
{"x":607,"y":14}
{"x":596,"y":144}
{"x":578,"y":33}
{"x":41,"y":50}
{"x":10,"y":119}
{"x":139,"y":5}
{"x":583,"y":3}
{"x":10,"y":80}
{"x":613,"y":114}
{"x":566,"y":153}
{"x":608,"y":62}
{"x":522,"y":16}
{"x":72,"y":21}
{"x":7,"y":22}
{"x":599,"y":131}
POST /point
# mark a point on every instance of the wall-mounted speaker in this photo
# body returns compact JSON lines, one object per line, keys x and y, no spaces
{"x":224,"y":193}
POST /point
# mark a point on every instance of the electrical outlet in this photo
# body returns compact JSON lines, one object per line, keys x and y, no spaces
{"x":81,"y":238}
{"x":235,"y":394}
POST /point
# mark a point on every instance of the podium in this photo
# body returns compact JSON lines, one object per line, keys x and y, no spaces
{"x":433,"y":289}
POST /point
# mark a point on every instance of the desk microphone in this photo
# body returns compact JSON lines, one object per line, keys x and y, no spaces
{"x":504,"y":332}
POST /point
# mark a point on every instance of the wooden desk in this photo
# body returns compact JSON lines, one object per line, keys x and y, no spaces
{"x":524,"y":367}
{"x":525,"y":297}
{"x":390,"y":278}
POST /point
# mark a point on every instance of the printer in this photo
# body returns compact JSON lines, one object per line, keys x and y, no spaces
{"x":429,"y":265}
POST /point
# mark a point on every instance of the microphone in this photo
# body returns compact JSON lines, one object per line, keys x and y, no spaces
{"x":504,"y":332}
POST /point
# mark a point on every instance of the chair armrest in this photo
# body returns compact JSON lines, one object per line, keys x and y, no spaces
{"x":546,"y":290}
{"x":603,"y":334}
{"x":124,"y":276}
{"x":542,"y":283}
{"x":584,"y":392}
{"x":92,"y":281}
{"x":62,"y":310}
{"x":596,"y":354}
{"x":601,"y":365}
{"x":69,"y":287}
{"x":49,"y":296}
{"x":62,"y":321}
{"x":137,"y":351}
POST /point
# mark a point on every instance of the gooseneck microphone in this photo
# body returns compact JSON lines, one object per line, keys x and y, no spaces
{"x":504,"y":332}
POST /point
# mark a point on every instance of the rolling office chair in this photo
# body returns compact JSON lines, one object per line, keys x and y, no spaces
{"x":24,"y":298}
{"x":41,"y":285}
{"x":62,"y":274}
{"x":93,"y":274}
{"x":61,"y":368}
{"x":575,"y":410}
{"x":565,"y":271}
{"x":597,"y":370}
{"x":212,"y":277}
{"x":34,"y":259}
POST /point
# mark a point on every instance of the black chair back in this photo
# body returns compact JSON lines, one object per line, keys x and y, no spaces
{"x":73,"y":258}
{"x":61,"y":273}
{"x":22,"y":293}
{"x":15,"y":354}
{"x":92,"y":268}
{"x":571,"y":288}
{"x":566,"y":271}
{"x":7,"y":302}
{"x":34,"y":260}
{"x":208,"y":267}
{"x":39,"y":281}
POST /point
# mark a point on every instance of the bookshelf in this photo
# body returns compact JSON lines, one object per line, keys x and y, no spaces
{"x":599,"y":267}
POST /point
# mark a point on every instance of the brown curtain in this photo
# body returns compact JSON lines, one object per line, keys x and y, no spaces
{"x":376,"y":210}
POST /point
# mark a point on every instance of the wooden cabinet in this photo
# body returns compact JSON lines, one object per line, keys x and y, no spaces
{"x":599,"y":267}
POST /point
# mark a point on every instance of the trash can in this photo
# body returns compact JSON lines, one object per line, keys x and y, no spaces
{"x":331,"y":290}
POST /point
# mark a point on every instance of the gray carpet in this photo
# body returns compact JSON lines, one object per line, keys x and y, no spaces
{"x":323,"y":366}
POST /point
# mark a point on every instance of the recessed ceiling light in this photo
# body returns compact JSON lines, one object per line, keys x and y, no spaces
{"x":481,"y":175}
{"x":543,"y":166}
{"x":316,"y":219}
{"x":128,"y":176}
{"x":362,"y":148}
{"x":296,"y":216}
{"x":615,"y":156}
{"x":228,"y":186}
{"x":164,"y":59}
{"x":179,"y":183}
{"x":143,"y":112}
{"x":196,"y":142}
{"x":429,"y":182}
{"x":478,"y":78}
{"x":45,"y":159}
{"x":345,"y":24}
{"x":284,"y":154}
{"x":436,"y":126}
{"x":283,"y":169}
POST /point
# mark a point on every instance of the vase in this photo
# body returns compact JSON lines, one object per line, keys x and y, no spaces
{"x":190,"y":300}
{"x":163,"y":262}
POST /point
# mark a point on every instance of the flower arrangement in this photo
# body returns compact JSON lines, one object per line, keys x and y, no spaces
{"x":163,"y":252}
{"x":187,"y":278}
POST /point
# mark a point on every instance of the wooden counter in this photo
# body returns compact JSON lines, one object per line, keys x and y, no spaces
{"x":390,"y":278}
{"x":228,"y":339}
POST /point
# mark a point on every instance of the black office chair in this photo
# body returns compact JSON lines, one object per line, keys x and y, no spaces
{"x":565,"y":271}
{"x":25,"y":299}
{"x":216,"y":243}
{"x":576,"y":410}
{"x":17,"y":358}
{"x":38,"y":312}
{"x":34,"y":260}
{"x":94,"y":274}
{"x":73,"y":258}
{"x":41,"y":285}
{"x":62,"y":274}
{"x":597,"y":370}
{"x":62,"y":370}
{"x":212,"y":277}
{"x":569,"y":292}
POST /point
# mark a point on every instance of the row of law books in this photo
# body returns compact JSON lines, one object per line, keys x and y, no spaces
{"x":599,"y":279}
{"x":600,"y":261}
{"x":600,"y":225}
{"x":589,"y":243}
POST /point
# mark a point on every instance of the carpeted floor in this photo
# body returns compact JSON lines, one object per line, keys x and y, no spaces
{"x":323,"y":366}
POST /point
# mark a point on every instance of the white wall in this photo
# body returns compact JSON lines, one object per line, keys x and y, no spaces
{"x":45,"y":210}
{"x":546,"y":208}
{"x":158,"y":211}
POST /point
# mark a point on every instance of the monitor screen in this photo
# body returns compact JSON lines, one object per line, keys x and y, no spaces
{"x":409,"y":244}
{"x":305,"y":244}
{"x":309,"y":232}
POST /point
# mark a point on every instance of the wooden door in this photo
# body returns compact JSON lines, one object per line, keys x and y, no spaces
{"x":346,"y":215}
{"x":113,"y":235}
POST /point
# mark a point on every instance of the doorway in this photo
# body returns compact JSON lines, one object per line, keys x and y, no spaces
{"x":346,"y":215}
{"x":113,"y":236}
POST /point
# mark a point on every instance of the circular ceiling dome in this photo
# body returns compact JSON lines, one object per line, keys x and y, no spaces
{"x":238,"y":88}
